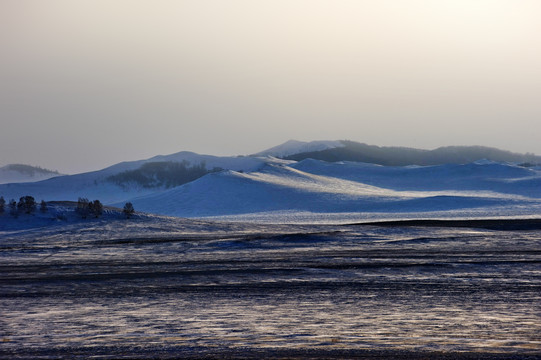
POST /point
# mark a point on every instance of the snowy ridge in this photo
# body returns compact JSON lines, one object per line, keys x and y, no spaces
{"x":293,"y":147}
{"x":237,"y":163}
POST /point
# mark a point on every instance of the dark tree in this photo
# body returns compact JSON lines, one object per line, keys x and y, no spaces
{"x":43,"y":206}
{"x":13,"y":208}
{"x":96,"y":208}
{"x":82,"y":207}
{"x":128,"y":210}
{"x":2,"y":204}
{"x":27,"y":204}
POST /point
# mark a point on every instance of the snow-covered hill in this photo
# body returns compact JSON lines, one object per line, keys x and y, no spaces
{"x":18,"y":173}
{"x":97,"y":184}
{"x":321,"y":188}
{"x":265,"y":187}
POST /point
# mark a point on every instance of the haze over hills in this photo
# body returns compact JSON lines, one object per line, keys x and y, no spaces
{"x":192,"y":185}
{"x":293,"y":147}
{"x":16,"y":173}
{"x":402,"y":156}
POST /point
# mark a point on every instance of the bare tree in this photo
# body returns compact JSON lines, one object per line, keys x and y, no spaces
{"x":13,"y":208}
{"x":96,"y":208}
{"x":27,"y":204}
{"x":82,"y":207}
{"x":43,"y":206}
{"x":128,"y":210}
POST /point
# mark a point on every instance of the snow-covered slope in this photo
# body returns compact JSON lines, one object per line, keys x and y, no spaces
{"x":95,"y":185}
{"x":293,"y":147}
{"x":18,"y":173}
{"x":342,"y":188}
{"x":482,"y":175}
{"x":263,"y":185}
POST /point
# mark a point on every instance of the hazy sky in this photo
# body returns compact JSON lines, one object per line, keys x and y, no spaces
{"x":86,"y":84}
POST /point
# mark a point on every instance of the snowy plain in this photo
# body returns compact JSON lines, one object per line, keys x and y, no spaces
{"x":166,"y":287}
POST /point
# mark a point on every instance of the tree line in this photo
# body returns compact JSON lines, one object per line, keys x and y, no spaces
{"x":84,"y":208}
{"x":161,"y":173}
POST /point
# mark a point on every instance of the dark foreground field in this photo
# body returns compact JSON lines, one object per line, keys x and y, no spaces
{"x":406,"y":291}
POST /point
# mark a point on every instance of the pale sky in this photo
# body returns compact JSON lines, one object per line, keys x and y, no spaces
{"x":86,"y":84}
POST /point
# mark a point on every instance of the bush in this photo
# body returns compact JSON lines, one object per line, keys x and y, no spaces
{"x":2,"y":204}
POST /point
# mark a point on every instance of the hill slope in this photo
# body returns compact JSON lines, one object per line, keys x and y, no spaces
{"x":321,"y":188}
{"x":131,"y":179}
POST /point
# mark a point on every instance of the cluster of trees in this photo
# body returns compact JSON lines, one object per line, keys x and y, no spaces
{"x":95,"y":208}
{"x":27,"y":205}
{"x":85,"y":208}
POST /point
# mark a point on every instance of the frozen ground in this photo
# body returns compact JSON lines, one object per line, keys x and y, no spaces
{"x":172,"y":288}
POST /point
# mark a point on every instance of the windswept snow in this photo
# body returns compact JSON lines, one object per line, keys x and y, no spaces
{"x":293,"y":147}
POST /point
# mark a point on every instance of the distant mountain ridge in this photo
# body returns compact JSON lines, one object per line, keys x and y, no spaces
{"x":292,"y":147}
{"x":402,"y":156}
{"x":16,"y":173}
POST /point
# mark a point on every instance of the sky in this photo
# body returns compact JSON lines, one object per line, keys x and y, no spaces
{"x":85,"y":84}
